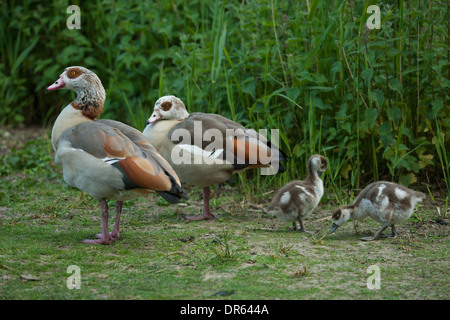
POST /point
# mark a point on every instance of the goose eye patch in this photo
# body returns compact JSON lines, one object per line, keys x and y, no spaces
{"x":337,"y":214}
{"x":73,"y":73}
{"x":166,"y":105}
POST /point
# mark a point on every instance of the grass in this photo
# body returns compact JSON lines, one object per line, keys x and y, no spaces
{"x":242,"y":254}
{"x":372,"y":101}
{"x":153,"y":260}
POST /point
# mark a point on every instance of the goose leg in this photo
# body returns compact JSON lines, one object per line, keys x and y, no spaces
{"x":206,"y":211}
{"x":302,"y":228}
{"x":106,"y":238}
{"x":376,"y":235}
{"x":393,"y":231}
{"x":115,"y":234}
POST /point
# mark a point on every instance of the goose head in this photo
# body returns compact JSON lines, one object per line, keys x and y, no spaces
{"x":76,"y":78}
{"x":90,"y":92}
{"x":340,"y":216}
{"x":85,"y":83}
{"x":168,"y":108}
{"x":318,"y":163}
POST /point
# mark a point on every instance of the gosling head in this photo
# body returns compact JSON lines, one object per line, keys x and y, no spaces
{"x":340,"y":216}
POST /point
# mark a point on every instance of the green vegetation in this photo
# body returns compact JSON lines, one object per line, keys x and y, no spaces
{"x":242,"y":254}
{"x":374,"y":102}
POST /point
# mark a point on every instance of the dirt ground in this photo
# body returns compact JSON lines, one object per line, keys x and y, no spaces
{"x":414,"y":263}
{"x":16,"y":138}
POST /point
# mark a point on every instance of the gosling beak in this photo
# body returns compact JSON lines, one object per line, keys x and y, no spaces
{"x":334,"y":226}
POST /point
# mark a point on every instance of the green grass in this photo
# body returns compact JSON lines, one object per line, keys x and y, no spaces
{"x":374,"y":100}
{"x":167,"y":259}
{"x":242,"y":254}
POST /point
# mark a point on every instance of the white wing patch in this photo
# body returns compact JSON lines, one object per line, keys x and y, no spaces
{"x":197,"y":151}
{"x":112,"y":160}
{"x":401,"y":194}
{"x":305,"y":191}
{"x":380,"y":192}
{"x":285,"y":197}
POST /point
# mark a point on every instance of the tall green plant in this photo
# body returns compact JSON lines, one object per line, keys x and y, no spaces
{"x":373,"y":98}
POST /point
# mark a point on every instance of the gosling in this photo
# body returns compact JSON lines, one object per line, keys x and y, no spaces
{"x":297,"y":200}
{"x":386,"y":202}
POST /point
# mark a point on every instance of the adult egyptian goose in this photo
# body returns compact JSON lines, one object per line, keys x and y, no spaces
{"x":386,"y":202}
{"x":298,"y":199}
{"x":105,"y":158}
{"x":206,"y":149}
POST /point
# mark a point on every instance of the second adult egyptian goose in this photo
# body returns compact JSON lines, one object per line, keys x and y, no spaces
{"x":206,"y":149}
{"x":298,"y":199}
{"x":386,"y":202}
{"x":105,"y":158}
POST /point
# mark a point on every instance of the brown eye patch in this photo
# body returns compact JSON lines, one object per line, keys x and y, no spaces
{"x":166,"y":105}
{"x":72,"y":73}
{"x":323,"y":162}
{"x":337,"y":214}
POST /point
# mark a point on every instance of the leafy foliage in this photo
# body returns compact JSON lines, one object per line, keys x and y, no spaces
{"x":370,"y":100}
{"x":34,"y":159}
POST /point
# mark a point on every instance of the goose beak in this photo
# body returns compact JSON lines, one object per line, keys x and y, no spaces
{"x":334,"y":226}
{"x":57,"y":85}
{"x":154,"y":117}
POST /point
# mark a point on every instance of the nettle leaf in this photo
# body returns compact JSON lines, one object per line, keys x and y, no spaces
{"x":407,"y":132}
{"x":371,"y":116}
{"x":436,"y":105}
{"x":347,"y":126}
{"x":402,"y":147}
{"x":396,"y":85}
{"x":406,"y":179}
{"x":331,"y":134}
{"x":385,"y":132}
{"x":378,"y":96}
{"x":306,"y":75}
{"x":394,"y":114}
{"x":367,"y":75}
{"x":335,"y":68}
{"x":342,"y":113}
{"x":318,"y":103}
{"x":292,"y":93}
{"x":409,"y":162}
{"x":371,"y":57}
{"x":250,"y":88}
{"x":445,"y":83}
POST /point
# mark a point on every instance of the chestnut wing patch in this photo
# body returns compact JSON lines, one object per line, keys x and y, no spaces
{"x":144,"y":146}
{"x":248,"y":149}
{"x":142,"y":173}
{"x":112,"y":146}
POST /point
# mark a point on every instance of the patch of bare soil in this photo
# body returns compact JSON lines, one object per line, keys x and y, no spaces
{"x":16,"y":138}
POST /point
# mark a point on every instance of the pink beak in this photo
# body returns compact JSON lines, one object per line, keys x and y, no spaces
{"x":57,"y":85}
{"x":154,"y":117}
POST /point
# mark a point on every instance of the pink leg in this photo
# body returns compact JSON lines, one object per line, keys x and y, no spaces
{"x":115,"y":233}
{"x":206,"y":212}
{"x":106,"y":238}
